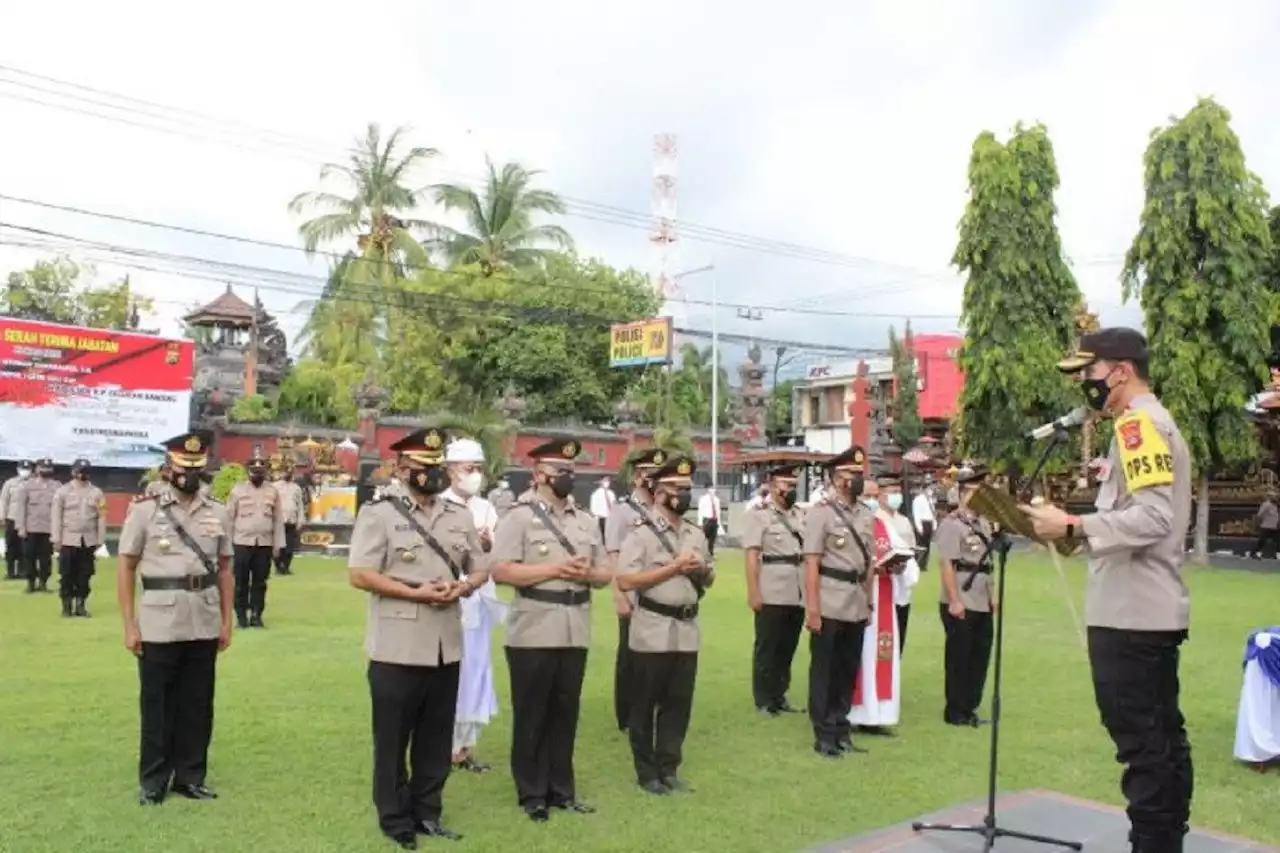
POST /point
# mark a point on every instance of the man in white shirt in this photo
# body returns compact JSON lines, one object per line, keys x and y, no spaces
{"x":602,"y":501}
{"x":709,"y":517}
{"x":922,"y":516}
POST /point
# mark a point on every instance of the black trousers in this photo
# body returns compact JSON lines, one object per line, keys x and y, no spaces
{"x":176,"y":682}
{"x":12,"y":549}
{"x":965,"y":659}
{"x":252,"y":566}
{"x":1267,"y":536}
{"x":413,"y":711}
{"x":284,"y":560}
{"x":904,"y":615}
{"x":75,"y":567}
{"x":1135,"y":683}
{"x":834,"y":657}
{"x":711,"y":529}
{"x":661,"y":704}
{"x":622,"y":674}
{"x":546,"y":688}
{"x":925,"y":540}
{"x":778,"y":630}
{"x":37,"y":554}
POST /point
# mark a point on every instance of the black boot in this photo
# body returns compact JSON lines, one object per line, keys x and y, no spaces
{"x":31,"y":583}
{"x":255,"y":620}
{"x":66,"y":608}
{"x":42,"y":586}
{"x":80,"y":609}
{"x":241,"y":621}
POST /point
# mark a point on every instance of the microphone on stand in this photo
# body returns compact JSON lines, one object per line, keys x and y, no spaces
{"x":1070,"y":420}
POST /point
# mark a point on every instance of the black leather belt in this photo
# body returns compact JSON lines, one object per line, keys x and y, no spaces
{"x":190,"y":583}
{"x":979,"y":568}
{"x":790,"y":560}
{"x":846,"y":575}
{"x":567,"y":597}
{"x":683,"y":612}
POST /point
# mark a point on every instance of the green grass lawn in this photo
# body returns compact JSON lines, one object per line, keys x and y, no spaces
{"x":291,"y":748}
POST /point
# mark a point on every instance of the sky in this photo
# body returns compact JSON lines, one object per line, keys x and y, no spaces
{"x":841,"y":129}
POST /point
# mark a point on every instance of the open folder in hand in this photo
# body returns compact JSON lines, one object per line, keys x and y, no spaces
{"x":1002,"y":508}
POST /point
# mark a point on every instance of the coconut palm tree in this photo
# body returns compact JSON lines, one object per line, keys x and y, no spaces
{"x":500,"y":228}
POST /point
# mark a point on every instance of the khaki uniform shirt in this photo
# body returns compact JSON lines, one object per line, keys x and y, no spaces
{"x":642,"y":551}
{"x":34,"y":513}
{"x":827,"y":534}
{"x":624,"y":519}
{"x":175,"y":615}
{"x":79,"y":516}
{"x":8,"y":493}
{"x":502,"y":500}
{"x":523,"y":538}
{"x":769,"y":529}
{"x":256,"y":515}
{"x":155,"y":487}
{"x":291,"y":502}
{"x":412,"y":633}
{"x":1136,"y":539}
{"x":960,"y":538}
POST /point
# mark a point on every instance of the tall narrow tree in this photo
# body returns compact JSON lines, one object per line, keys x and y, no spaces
{"x":1019,"y":296}
{"x":907,"y":426}
{"x":1198,"y":266}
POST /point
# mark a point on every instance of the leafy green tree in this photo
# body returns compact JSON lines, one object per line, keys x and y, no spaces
{"x":61,"y":291}
{"x":1198,"y":265}
{"x":492,"y":430}
{"x":1018,"y":296}
{"x":225,"y":480}
{"x":253,"y":409}
{"x":779,"y":415}
{"x":315,"y":393}
{"x":501,"y":231}
{"x":907,"y":425}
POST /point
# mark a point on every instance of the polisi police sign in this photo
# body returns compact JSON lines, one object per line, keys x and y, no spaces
{"x":640,"y":343}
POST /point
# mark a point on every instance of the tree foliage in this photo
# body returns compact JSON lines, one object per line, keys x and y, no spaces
{"x":1198,"y":265}
{"x":1018,"y":296}
{"x":225,"y":480}
{"x":253,"y":409}
{"x":318,"y":394}
{"x":61,"y":291}
{"x":907,"y":426}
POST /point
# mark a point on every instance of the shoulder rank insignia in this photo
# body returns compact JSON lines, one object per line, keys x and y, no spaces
{"x":143,"y":498}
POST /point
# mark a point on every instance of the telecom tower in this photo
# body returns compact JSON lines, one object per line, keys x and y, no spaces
{"x":663,"y":235}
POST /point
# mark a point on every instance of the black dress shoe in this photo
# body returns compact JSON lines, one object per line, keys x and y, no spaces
{"x":150,"y":798}
{"x":655,"y":786}
{"x":785,"y":707}
{"x":767,"y":710}
{"x":255,"y":621}
{"x":194,"y":792}
{"x":975,"y":721}
{"x":828,"y":750}
{"x":677,"y":785}
{"x":845,"y":745}
{"x":575,"y":806}
{"x":538,"y":814}
{"x":433,"y":829}
{"x":406,"y":840}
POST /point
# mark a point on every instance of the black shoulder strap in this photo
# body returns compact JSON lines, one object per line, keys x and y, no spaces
{"x":542,"y":515}
{"x":189,"y":541}
{"x":432,"y":542}
{"x":862,"y":546}
{"x":786,"y":522}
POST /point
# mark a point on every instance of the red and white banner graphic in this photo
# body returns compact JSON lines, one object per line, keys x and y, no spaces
{"x":67,"y":392}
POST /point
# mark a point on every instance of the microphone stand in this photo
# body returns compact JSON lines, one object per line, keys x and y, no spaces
{"x":989,"y":829}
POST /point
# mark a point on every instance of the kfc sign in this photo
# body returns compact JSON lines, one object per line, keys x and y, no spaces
{"x":819,"y":371}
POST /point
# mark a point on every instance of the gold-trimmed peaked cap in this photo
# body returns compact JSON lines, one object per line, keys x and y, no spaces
{"x":422,"y":447}
{"x":257,"y":462}
{"x":784,"y":472}
{"x":189,"y":450}
{"x":853,"y":459}
{"x":1117,"y":343}
{"x":648,"y":457}
{"x":676,"y":469}
{"x":560,"y":451}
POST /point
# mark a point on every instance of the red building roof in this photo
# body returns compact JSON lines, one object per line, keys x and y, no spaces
{"x":943,"y":381}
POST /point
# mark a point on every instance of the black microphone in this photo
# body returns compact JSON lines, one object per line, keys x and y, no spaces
{"x":1070,"y":420}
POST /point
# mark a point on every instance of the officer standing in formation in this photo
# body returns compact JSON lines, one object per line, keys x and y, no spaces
{"x":177,"y":543}
{"x":257,"y":532}
{"x":550,"y":551}
{"x":160,"y":483}
{"x":13,"y":563}
{"x":1137,"y":606}
{"x":968,"y":599}
{"x":34,"y":517}
{"x":774,"y":547}
{"x":415,"y":555}
{"x":635,"y":510}
{"x":79,"y":529}
{"x":838,"y":544}
{"x":502,"y":497}
{"x":667,"y":564}
{"x":293,"y":513}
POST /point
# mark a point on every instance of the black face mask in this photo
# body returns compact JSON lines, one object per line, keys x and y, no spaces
{"x":680,"y":501}
{"x":187,"y":482}
{"x":81,"y":475}
{"x":256,"y":478}
{"x":788,"y":498}
{"x":44,"y":472}
{"x":429,"y":481}
{"x":1096,"y":392}
{"x":561,"y":484}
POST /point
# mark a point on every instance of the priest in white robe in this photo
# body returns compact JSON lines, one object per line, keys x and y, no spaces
{"x":481,"y":612}
{"x":877,"y":699}
{"x":1258,"y":717}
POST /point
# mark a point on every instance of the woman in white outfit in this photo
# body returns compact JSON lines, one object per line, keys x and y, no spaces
{"x":481,"y":612}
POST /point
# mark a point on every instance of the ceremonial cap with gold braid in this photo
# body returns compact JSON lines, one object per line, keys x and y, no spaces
{"x":421,"y":448}
{"x":190,"y":449}
{"x":561,"y":451}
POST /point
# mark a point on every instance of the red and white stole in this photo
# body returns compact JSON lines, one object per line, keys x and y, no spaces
{"x":884,"y":620}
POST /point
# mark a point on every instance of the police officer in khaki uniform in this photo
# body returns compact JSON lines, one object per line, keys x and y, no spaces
{"x":774,"y":544}
{"x":415,"y":555}
{"x":34,"y":517}
{"x":967,"y":599}
{"x":79,"y":529}
{"x":667,"y":565}
{"x":8,"y":510}
{"x":627,"y":514}
{"x":839,"y":541}
{"x":177,"y":543}
{"x":1136,"y":604}
{"x":294,"y":514}
{"x":550,"y":551}
{"x":160,"y":483}
{"x":257,"y":532}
